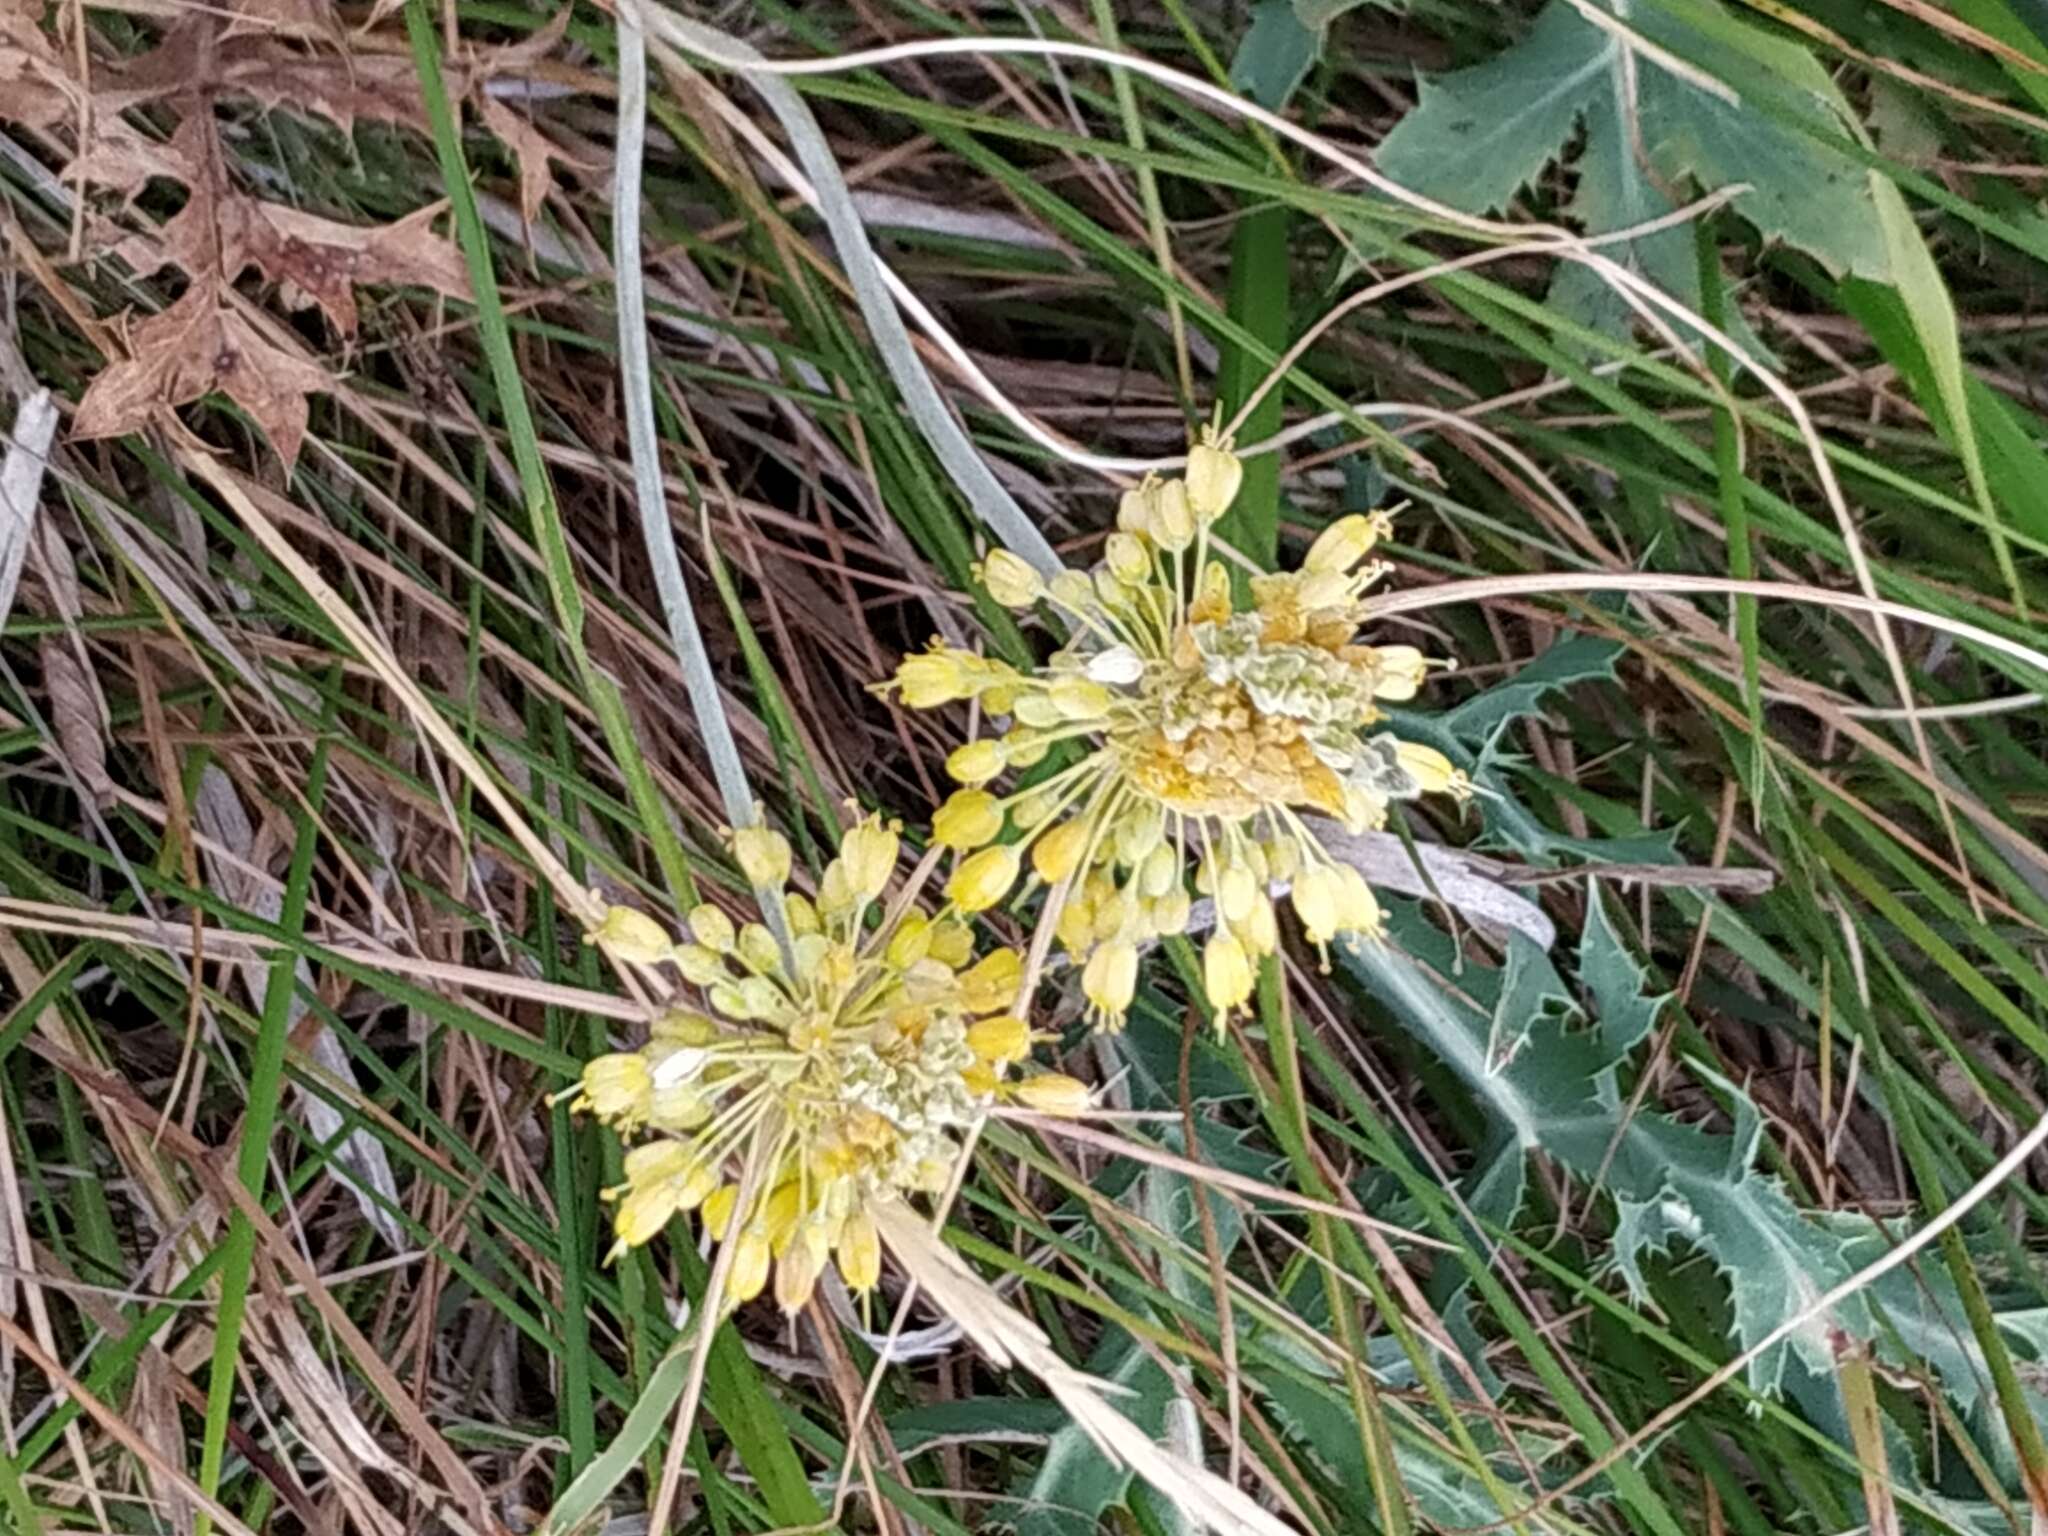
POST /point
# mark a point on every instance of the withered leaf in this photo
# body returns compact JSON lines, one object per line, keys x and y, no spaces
{"x":530,"y":147}
{"x":320,"y":262}
{"x":34,"y":86}
{"x":195,"y":59}
{"x":190,"y":350}
{"x":220,"y":233}
{"x":117,"y":156}
{"x":75,"y":716}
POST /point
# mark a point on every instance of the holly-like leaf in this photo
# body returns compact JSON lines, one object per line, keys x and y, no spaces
{"x":1673,"y":1183}
{"x":1574,"y":659}
{"x":1478,"y":135}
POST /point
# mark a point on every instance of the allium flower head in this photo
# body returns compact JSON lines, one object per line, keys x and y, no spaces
{"x":816,"y":1083}
{"x":1209,"y":731}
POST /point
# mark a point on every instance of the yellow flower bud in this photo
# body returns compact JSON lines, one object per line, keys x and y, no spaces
{"x":1226,"y":972}
{"x":1003,"y":1038}
{"x":1127,"y":559}
{"x":1173,"y":517}
{"x":910,"y":943}
{"x":1261,"y":929}
{"x":640,"y":1217}
{"x":1110,"y":978}
{"x":1169,"y":913}
{"x":1024,"y":748}
{"x":1075,"y":926}
{"x":953,"y":943}
{"x":796,"y":1276}
{"x":977,"y":762}
{"x":679,"y":1026}
{"x":1079,"y":698}
{"x":763,"y":856}
{"x":1433,"y":773}
{"x":1214,"y":474}
{"x":1317,"y":895}
{"x":779,"y":1215}
{"x":1011,"y":580}
{"x":1057,"y":853}
{"x":869,"y":854}
{"x":1345,"y":542}
{"x":700,"y":966}
{"x":617,"y":1088}
{"x":748,"y":1273}
{"x":1236,"y":889}
{"x":938,"y":676}
{"x":992,"y":982}
{"x":1358,"y":910}
{"x":860,"y":1252}
{"x":984,"y":878}
{"x":717,"y":1214}
{"x":1401,"y":671}
{"x":1134,"y":509}
{"x":969,"y":818}
{"x":632,"y":936}
{"x":759,"y":950}
{"x":710,"y":927}
{"x":801,"y":915}
{"x":1072,"y":590}
{"x":1052,"y":1093}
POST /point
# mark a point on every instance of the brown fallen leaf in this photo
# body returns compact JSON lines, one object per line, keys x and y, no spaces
{"x":221,"y":233}
{"x":195,"y":59}
{"x":35,"y":89}
{"x":319,"y":262}
{"x":192,"y":349}
{"x":75,"y":716}
{"x":531,"y":148}
{"x":117,"y":156}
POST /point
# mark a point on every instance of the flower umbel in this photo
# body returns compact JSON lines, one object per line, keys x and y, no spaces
{"x":818,"y":1083}
{"x":1210,"y":731}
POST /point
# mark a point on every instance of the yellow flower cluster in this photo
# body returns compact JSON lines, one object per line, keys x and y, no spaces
{"x":818,"y":1081}
{"x":1206,"y":730}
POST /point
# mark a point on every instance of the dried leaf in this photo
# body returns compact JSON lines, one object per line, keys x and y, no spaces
{"x":220,"y":233}
{"x":118,"y":156}
{"x":195,"y":59}
{"x":530,"y":147}
{"x":34,"y":86}
{"x":320,"y":262}
{"x":75,"y":716}
{"x":192,"y":349}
